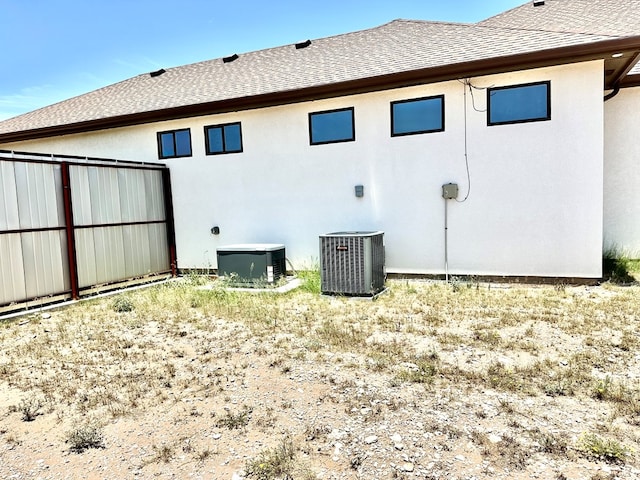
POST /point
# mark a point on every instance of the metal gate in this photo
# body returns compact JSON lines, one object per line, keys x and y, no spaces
{"x":72,"y":226}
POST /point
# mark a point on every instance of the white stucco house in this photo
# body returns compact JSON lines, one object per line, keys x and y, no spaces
{"x":532,"y":113}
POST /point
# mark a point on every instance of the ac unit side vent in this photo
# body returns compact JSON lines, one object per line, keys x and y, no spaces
{"x":352,"y":263}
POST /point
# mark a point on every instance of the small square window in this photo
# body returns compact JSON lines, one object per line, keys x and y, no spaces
{"x":225,"y":138}
{"x":332,"y":126}
{"x":174,"y":143}
{"x":420,"y":115}
{"x":519,"y":103}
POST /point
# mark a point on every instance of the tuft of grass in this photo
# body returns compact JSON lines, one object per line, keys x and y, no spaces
{"x":603,"y":388}
{"x":340,"y":335}
{"x":84,"y":437}
{"x":617,"y":266}
{"x":235,"y":420}
{"x":609,"y":450}
{"x":310,"y":281}
{"x":122,"y":304}
{"x":555,"y":444}
{"x":277,"y":463}
{"x":163,"y":453}
{"x":30,"y":408}
{"x":426,"y":368}
{"x":508,"y":450}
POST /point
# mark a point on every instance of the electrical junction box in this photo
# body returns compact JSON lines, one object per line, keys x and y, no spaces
{"x":252,"y":263}
{"x":450,"y":191}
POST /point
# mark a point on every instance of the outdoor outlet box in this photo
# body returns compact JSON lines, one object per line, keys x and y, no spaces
{"x":450,"y":191}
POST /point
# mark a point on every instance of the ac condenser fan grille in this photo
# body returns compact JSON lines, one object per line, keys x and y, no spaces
{"x":352,"y":263}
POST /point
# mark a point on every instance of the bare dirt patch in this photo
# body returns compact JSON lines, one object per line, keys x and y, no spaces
{"x":431,"y":381}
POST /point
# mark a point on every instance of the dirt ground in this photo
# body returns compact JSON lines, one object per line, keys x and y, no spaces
{"x":195,"y":395}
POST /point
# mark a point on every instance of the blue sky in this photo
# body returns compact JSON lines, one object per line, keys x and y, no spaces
{"x":51,"y":50}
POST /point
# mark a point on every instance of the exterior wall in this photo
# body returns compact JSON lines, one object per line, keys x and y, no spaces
{"x":621,"y":172}
{"x":534,"y":209}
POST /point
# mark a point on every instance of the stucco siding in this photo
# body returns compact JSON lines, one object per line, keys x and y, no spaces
{"x":622,"y":172}
{"x":535,"y":205}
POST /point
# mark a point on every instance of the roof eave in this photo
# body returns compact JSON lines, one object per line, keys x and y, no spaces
{"x":476,"y":68}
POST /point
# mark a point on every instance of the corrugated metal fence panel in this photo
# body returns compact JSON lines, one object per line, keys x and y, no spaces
{"x":86,"y":258}
{"x":158,"y":248}
{"x":141,"y":195}
{"x":109,"y":195}
{"x":119,"y":225}
{"x":154,"y":190}
{"x":39,"y":193}
{"x":109,"y":259}
{"x":12,"y":284}
{"x":103,"y":260}
{"x":33,"y":264}
{"x":9,"y":218}
{"x":80,"y":194}
{"x":105,"y":195}
{"x":45,"y":263}
{"x":132,"y":195}
{"x":100,"y":256}
{"x":136,"y":250}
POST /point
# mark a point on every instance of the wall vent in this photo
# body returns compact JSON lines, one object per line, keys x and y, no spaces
{"x":352,"y":263}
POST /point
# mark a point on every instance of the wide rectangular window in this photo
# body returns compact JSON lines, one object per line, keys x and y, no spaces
{"x":419,"y":115}
{"x":174,"y":143}
{"x":225,"y":138}
{"x":519,"y":103}
{"x":332,"y":126}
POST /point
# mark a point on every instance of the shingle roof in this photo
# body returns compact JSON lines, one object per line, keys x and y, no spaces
{"x":610,"y":17}
{"x":381,"y":52}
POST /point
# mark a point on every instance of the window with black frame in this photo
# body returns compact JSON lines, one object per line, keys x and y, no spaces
{"x":225,"y":138}
{"x":418,"y":115}
{"x":529,"y":102}
{"x":332,"y":126}
{"x":174,"y":143}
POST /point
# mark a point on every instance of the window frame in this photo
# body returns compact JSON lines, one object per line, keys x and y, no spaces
{"x":417,"y":132}
{"x":336,"y":110}
{"x":545,"y":118}
{"x":161,"y":154}
{"x":222,"y":127}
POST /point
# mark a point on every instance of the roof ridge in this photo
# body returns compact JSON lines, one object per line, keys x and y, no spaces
{"x":439,"y":22}
{"x":502,"y":13}
{"x":329,"y":37}
{"x":542,"y":30}
{"x":286,"y":45}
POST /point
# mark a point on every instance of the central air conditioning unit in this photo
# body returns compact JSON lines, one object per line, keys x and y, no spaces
{"x":252,"y":263}
{"x":352,"y":263}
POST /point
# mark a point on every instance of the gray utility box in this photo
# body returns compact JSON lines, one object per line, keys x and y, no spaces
{"x":352,"y":263}
{"x":252,"y":262}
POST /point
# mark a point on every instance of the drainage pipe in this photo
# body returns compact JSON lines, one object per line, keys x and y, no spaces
{"x":609,"y":96}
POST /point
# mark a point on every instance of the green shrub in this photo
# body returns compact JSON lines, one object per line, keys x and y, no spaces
{"x":85,"y":437}
{"x":278,"y":463}
{"x":617,"y":266}
{"x":605,"y":449}
{"x":122,"y":304}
